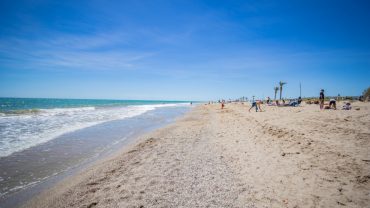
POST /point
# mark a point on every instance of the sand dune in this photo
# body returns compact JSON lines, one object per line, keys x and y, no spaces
{"x":283,"y":157}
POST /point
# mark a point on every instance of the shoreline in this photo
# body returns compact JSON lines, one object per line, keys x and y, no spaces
{"x":283,"y":157}
{"x":71,"y":153}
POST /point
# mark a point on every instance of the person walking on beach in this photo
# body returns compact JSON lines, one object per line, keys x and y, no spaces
{"x":321,"y":99}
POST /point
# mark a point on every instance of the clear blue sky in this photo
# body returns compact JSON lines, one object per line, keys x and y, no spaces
{"x":184,"y":50}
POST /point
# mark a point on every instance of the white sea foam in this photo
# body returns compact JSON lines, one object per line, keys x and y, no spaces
{"x":22,"y":131}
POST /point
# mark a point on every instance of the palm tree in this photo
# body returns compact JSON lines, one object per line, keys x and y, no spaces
{"x":276,"y":89}
{"x":281,"y":84}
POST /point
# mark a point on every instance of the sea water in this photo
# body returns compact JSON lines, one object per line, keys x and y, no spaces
{"x":42,"y":138}
{"x":27,"y":122}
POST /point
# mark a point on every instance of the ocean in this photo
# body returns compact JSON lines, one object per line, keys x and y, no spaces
{"x":42,"y":138}
{"x":26,"y":122}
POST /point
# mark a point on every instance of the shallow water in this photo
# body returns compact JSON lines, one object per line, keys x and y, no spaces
{"x":25,"y":173}
{"x":28,"y":122}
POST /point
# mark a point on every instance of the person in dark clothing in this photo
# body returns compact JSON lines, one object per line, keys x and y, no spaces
{"x":299,"y":100}
{"x":333,"y":103}
{"x":321,"y":99}
{"x":268,"y":100}
{"x":254,"y":104}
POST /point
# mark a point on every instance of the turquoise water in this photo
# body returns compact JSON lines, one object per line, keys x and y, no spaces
{"x":19,"y":105}
{"x":27,"y":122}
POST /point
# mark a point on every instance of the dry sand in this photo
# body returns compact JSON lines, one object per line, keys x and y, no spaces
{"x":283,"y":157}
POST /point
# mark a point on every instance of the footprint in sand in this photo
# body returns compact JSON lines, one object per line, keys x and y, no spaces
{"x":92,"y":204}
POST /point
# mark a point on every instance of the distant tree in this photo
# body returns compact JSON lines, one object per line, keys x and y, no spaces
{"x":281,"y":84}
{"x":276,"y":89}
{"x":366,"y":93}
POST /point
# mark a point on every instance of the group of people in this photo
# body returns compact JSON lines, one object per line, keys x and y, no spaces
{"x":294,"y":103}
{"x":257,"y":105}
{"x":332,"y":103}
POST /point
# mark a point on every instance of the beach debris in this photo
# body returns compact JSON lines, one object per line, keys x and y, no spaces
{"x":357,"y":109}
{"x":283,"y":154}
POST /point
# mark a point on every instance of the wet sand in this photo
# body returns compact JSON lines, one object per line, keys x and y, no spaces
{"x":283,"y":157}
{"x":27,"y":173}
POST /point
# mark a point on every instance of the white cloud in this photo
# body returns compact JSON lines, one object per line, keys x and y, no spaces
{"x":94,"y":52}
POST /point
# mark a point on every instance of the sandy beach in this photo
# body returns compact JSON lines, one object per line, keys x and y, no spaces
{"x":212,"y":157}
